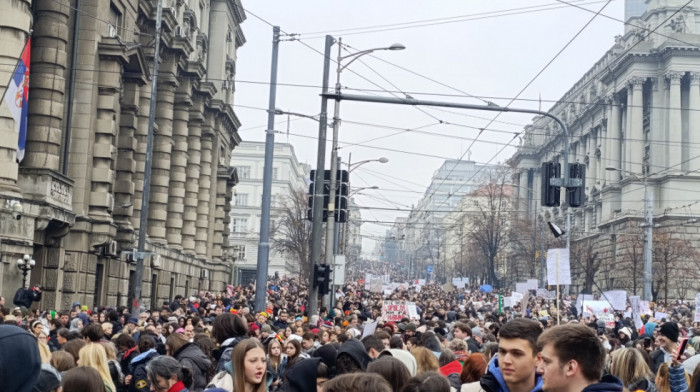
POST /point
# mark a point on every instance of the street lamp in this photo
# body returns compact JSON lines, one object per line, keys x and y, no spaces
{"x":25,"y":264}
{"x":334,"y":149}
{"x":648,"y":228}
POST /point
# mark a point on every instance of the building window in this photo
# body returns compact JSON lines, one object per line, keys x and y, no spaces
{"x":274,"y":173}
{"x":239,"y":225}
{"x":240,"y":252}
{"x":243,"y":172}
{"x":241,"y":199}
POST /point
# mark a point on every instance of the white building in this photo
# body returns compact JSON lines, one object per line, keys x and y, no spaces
{"x":288,"y":178}
{"x":634,"y":120}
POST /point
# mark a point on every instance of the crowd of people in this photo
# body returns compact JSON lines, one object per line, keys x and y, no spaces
{"x":461,"y":340}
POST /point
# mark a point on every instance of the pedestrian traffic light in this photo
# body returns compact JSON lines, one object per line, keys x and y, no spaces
{"x":322,"y":278}
{"x":549,"y":193}
{"x":326,"y":193}
{"x":576,"y":196}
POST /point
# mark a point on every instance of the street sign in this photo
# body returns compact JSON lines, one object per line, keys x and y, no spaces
{"x":430,"y":269}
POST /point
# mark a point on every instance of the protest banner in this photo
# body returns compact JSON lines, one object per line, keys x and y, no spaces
{"x":617,"y":299}
{"x":532,"y":284}
{"x":396,"y":310}
{"x":697,"y":308}
{"x":558,"y":267}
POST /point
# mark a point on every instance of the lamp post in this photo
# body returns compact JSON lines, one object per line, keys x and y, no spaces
{"x":648,"y":228}
{"x":25,"y":264}
{"x":334,"y":149}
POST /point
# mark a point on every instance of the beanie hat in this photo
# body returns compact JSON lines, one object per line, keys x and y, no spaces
{"x":266,"y":328}
{"x":670,"y":330}
{"x":405,"y":357}
{"x":411,"y":327}
{"x":49,"y":379}
{"x":476,"y":331}
{"x":626,"y":331}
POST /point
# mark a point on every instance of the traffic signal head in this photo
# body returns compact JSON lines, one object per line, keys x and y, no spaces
{"x":549,"y":193}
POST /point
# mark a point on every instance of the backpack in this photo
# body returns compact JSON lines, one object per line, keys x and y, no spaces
{"x":222,"y":380}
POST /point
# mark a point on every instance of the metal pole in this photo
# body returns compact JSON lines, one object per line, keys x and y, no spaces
{"x":543,"y":259}
{"x":330,"y":223}
{"x":264,"y":244}
{"x":317,"y":213}
{"x":146,"y":193}
{"x":336,"y":228}
{"x":648,"y":240}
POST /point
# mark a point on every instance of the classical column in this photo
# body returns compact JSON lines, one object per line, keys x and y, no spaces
{"x":178,"y":164}
{"x":140,"y":134}
{"x":222,"y":181}
{"x":694,"y":123}
{"x":193,"y":172}
{"x":124,"y":186}
{"x":14,"y":31}
{"x":105,"y":132}
{"x":613,"y":142}
{"x":675,"y":133}
{"x":204,"y":195}
{"x":162,"y":149}
{"x":48,"y":67}
{"x":635,"y":127}
{"x":658,"y":125}
{"x":592,"y":169}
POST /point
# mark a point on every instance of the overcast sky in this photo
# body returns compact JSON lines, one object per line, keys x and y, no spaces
{"x":455,"y":50}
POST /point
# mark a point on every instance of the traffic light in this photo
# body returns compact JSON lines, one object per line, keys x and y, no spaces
{"x":549,"y":193}
{"x":326,"y":193}
{"x":341,"y":203}
{"x":322,"y":278}
{"x":576,"y":196}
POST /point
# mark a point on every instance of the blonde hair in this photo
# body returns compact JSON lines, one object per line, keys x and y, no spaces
{"x":44,"y":352}
{"x":425,"y":360}
{"x":107,"y":325}
{"x":629,"y":366}
{"x":110,"y":350}
{"x":663,"y":378}
{"x":93,"y":355}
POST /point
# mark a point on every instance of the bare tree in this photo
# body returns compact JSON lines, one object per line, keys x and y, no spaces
{"x":633,"y":257}
{"x":584,"y":253}
{"x":291,"y":232}
{"x":669,"y":255}
{"x":489,"y":218}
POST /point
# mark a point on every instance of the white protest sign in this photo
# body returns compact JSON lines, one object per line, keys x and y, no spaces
{"x":532,"y":284}
{"x":369,"y":329}
{"x":609,"y":319}
{"x":660,"y":316}
{"x":636,"y":306}
{"x":697,"y":308}
{"x":558,"y":268}
{"x":551,"y":294}
{"x":396,"y":310}
{"x":517,"y":297}
{"x":386,"y":279}
{"x":418,"y":288}
{"x":579,"y":302}
{"x":421,"y":282}
{"x":541,"y":292}
{"x":617,"y":299}
{"x":508,"y":302}
{"x":375,"y":285}
{"x":521,"y":287}
{"x":591,"y":308}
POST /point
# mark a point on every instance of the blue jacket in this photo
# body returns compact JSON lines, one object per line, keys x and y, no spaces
{"x":493,"y":380}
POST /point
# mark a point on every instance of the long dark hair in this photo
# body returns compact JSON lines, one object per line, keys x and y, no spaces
{"x":228,"y":326}
{"x":166,"y":367}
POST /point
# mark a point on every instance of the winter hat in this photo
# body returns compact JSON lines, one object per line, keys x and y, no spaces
{"x":49,"y":379}
{"x":626,"y":331}
{"x":356,"y":350}
{"x":648,"y":329}
{"x":476,"y":331}
{"x":266,"y":328}
{"x":411,"y":327}
{"x":670,"y":330}
{"x":18,"y":376}
{"x":327,"y":353}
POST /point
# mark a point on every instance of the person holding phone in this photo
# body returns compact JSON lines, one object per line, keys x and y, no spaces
{"x":666,"y":343}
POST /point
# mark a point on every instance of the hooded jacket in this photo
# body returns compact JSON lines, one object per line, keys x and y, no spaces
{"x":301,"y":376}
{"x":644,"y":385}
{"x":137,"y":368}
{"x":223,"y":353}
{"x":607,"y":384}
{"x":356,"y":350}
{"x":493,"y":380}
{"x":18,"y":376}
{"x":192,"y":357}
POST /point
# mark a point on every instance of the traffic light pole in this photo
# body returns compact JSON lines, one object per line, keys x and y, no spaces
{"x":564,"y":182}
{"x":317,"y":211}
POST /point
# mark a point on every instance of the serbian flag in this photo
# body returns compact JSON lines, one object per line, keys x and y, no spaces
{"x":16,"y":97}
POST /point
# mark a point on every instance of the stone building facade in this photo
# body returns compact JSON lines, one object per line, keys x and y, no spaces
{"x":81,"y":181}
{"x":634,"y":120}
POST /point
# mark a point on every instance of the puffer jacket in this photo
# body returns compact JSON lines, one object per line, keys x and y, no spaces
{"x":192,"y":357}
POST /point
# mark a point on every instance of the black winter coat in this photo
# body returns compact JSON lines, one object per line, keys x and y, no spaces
{"x":192,"y":357}
{"x":139,"y":380}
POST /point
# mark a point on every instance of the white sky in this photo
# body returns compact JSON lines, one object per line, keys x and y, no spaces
{"x":487,"y":48}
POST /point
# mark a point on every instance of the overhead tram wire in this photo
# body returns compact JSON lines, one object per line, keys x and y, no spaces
{"x":527,"y":85}
{"x":465,"y":18}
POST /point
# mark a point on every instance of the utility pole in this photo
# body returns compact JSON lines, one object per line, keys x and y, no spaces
{"x":135,"y":304}
{"x":317,"y":212}
{"x":648,"y":239}
{"x":264,"y":244}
